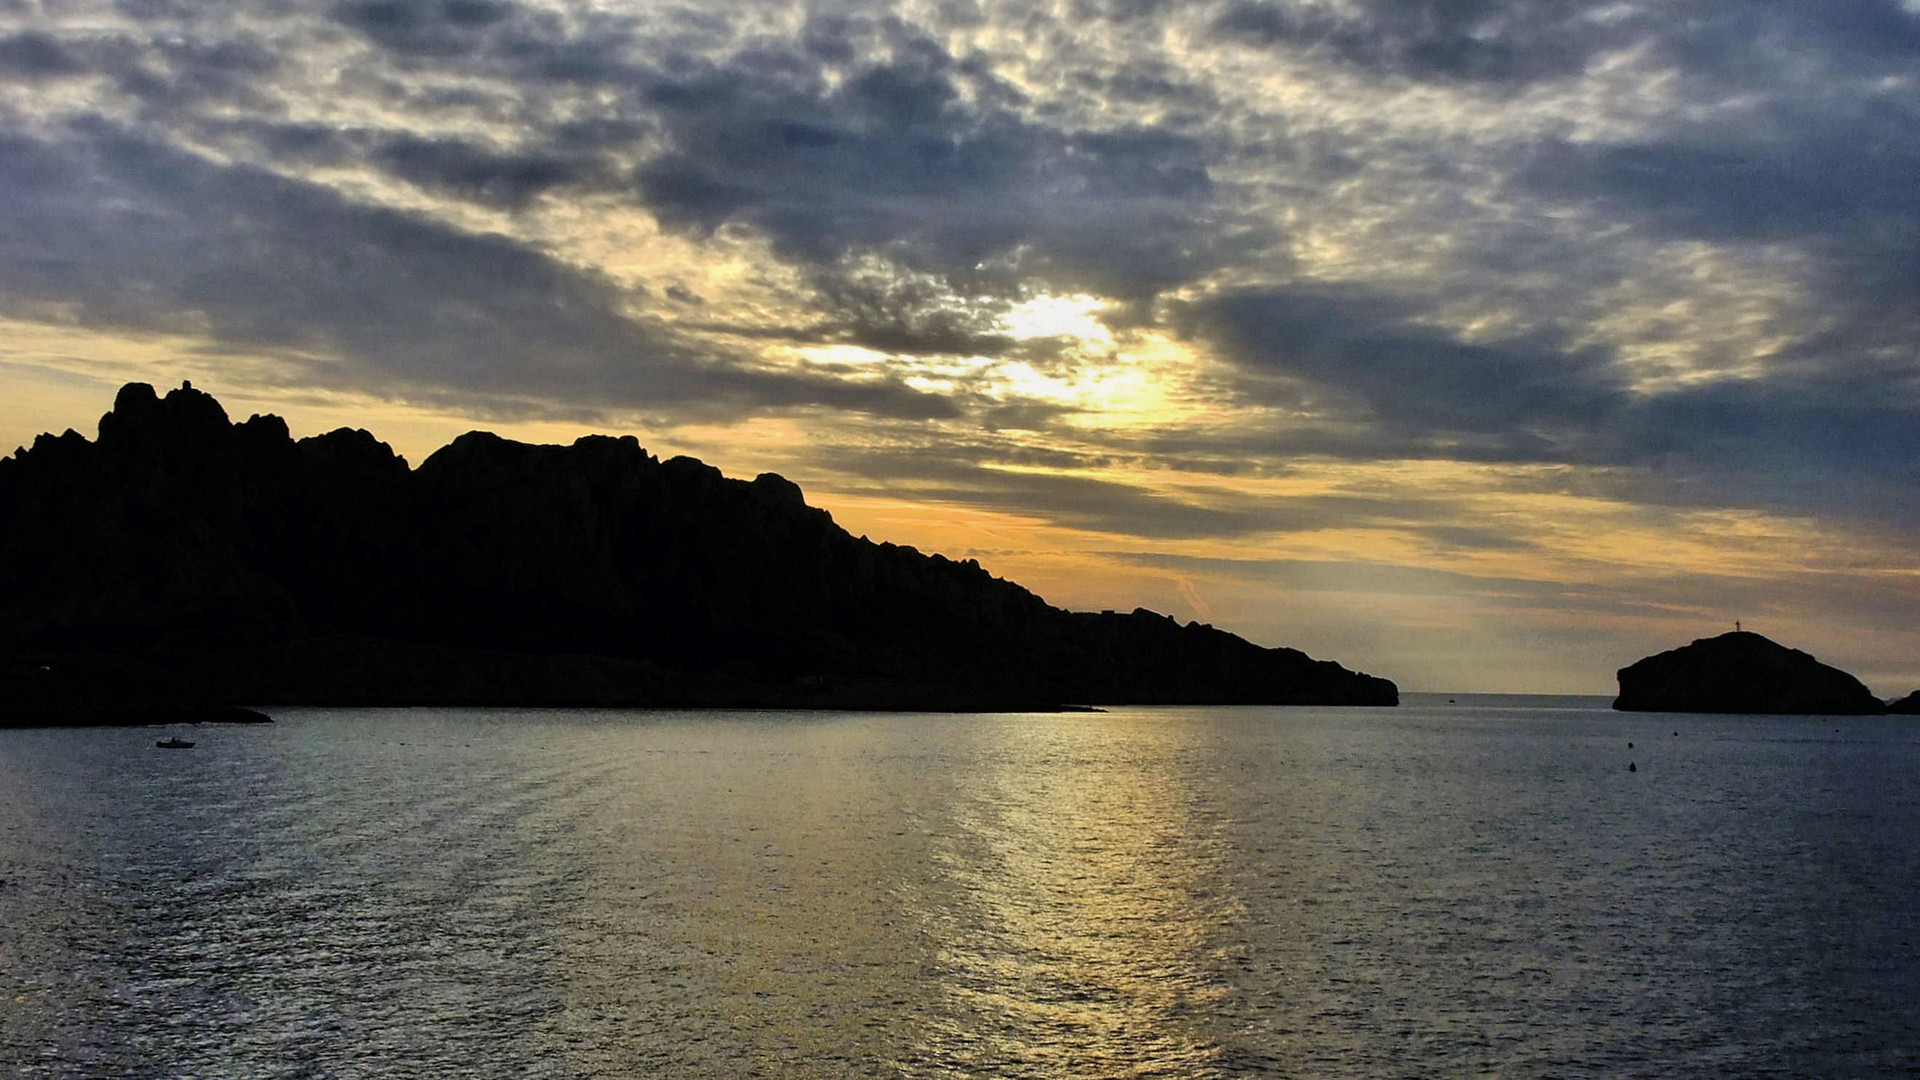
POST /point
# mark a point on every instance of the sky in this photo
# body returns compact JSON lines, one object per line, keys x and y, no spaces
{"x":1478,"y":344}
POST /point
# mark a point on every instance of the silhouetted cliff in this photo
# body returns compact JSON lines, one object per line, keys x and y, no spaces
{"x":1741,"y":672}
{"x":1906,"y":706}
{"x":233,"y":563}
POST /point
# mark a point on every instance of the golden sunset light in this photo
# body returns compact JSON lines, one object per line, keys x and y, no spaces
{"x":959,"y":539}
{"x":1485,"y":355}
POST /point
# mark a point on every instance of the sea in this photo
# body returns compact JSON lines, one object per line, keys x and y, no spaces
{"x":1466,"y":885}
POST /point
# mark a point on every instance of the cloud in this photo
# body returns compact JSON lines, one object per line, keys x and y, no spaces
{"x":859,"y":139}
{"x":1069,"y":490}
{"x":1311,"y":575}
{"x":130,"y":234}
{"x":477,"y":173}
{"x":429,"y":28}
{"x":1834,"y":184}
{"x":1826,"y":443}
{"x":1359,"y":355}
{"x":1828,"y":435}
{"x":1477,"y":41}
{"x":1829,"y":419}
{"x":34,"y":55}
{"x":171,"y":74}
{"x":1747,"y":42}
{"x":1495,"y":44}
{"x":921,"y":156}
{"x":1787,"y":176}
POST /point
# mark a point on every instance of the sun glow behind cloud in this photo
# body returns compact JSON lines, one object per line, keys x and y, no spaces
{"x":1075,"y":318}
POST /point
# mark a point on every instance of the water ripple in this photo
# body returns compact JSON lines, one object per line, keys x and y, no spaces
{"x":1181,"y":893}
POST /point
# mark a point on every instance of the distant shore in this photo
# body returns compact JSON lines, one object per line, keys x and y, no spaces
{"x":89,"y":716}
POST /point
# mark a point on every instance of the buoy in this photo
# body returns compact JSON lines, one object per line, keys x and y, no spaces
{"x":1631,"y":767}
{"x":1629,"y":745}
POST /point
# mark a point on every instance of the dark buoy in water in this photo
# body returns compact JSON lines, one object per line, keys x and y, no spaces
{"x":1631,"y":767}
{"x":1629,"y":745}
{"x":1676,"y":734}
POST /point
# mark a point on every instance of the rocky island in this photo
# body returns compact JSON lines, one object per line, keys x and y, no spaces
{"x":181,"y":558}
{"x":1741,"y":672}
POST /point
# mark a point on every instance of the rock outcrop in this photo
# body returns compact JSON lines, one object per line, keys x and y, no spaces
{"x":248,"y":566}
{"x":1741,"y":672}
{"x":1906,"y":706}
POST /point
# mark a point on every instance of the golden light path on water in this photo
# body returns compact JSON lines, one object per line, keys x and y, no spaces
{"x":1056,"y":913}
{"x":1087,"y":918}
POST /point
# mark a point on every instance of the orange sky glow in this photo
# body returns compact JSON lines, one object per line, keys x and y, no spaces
{"x":1488,"y":350}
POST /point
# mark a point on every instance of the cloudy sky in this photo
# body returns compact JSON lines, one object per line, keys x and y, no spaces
{"x":1480,"y":344}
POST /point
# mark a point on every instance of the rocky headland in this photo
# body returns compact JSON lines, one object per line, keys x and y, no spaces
{"x":1741,"y":672}
{"x":182,"y":558}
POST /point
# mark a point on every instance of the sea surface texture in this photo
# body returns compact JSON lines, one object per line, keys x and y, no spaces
{"x":1478,"y":888}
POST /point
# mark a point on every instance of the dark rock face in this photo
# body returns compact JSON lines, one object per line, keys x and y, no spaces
{"x":248,"y":566}
{"x":1741,"y":672}
{"x":1906,"y":706}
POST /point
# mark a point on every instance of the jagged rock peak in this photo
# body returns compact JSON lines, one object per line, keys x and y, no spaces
{"x":777,"y":490}
{"x":476,"y":447}
{"x":141,"y":416}
{"x":344,"y":446}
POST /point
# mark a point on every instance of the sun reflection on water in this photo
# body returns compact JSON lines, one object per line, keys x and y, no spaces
{"x":1082,"y":937}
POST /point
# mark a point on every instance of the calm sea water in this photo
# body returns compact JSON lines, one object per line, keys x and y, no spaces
{"x":1478,"y":888}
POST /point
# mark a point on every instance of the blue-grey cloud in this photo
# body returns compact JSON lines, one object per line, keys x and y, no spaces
{"x":1836,"y":184}
{"x":1828,"y":435}
{"x":35,"y":55}
{"x":1491,"y":41}
{"x":1746,"y":41}
{"x":432,"y":28}
{"x":1496,"y":43}
{"x":122,"y":232}
{"x":479,"y":173}
{"x":917,"y":156}
{"x":1828,"y":178}
{"x":1363,"y":354}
